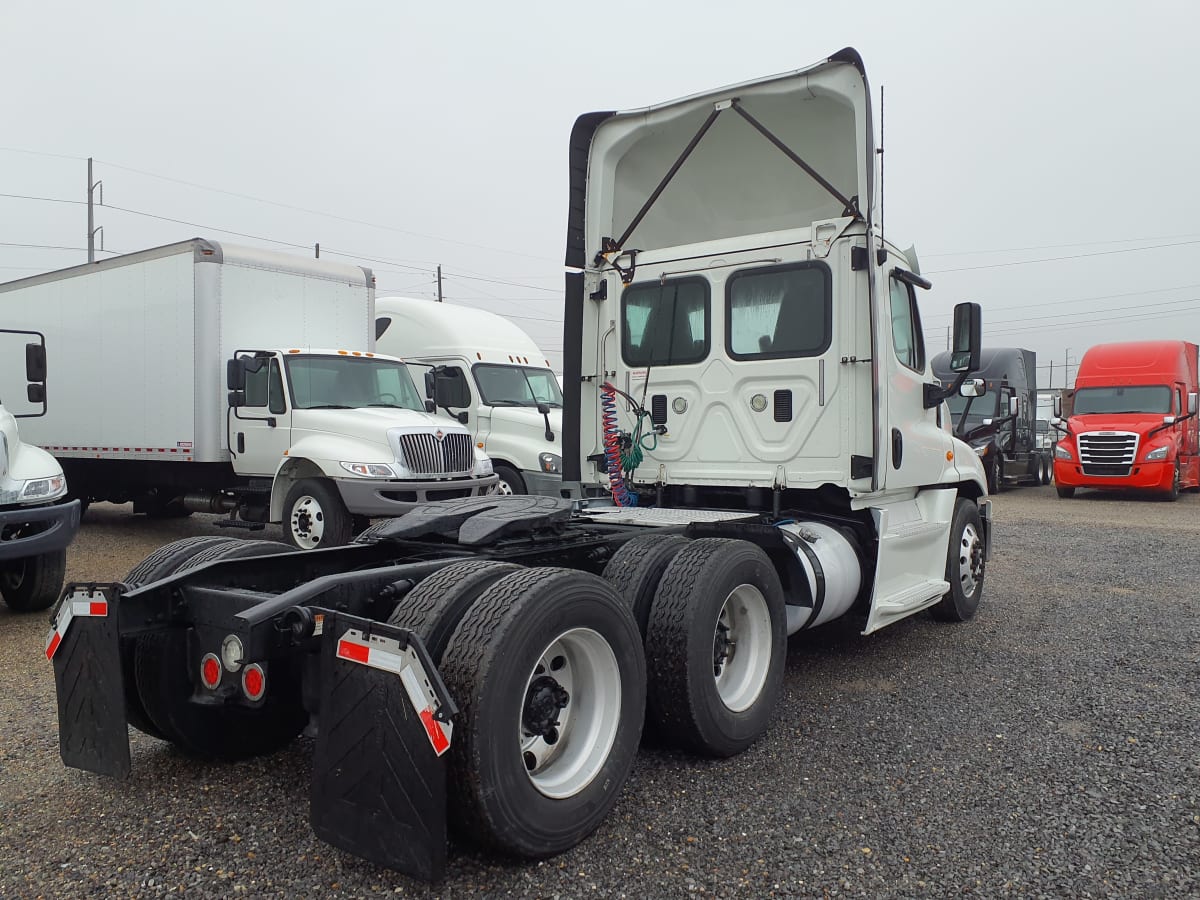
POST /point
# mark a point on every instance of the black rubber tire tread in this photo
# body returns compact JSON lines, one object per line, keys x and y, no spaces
{"x":1065,"y":493}
{"x":212,"y":732}
{"x":512,"y":476}
{"x":1173,"y":493}
{"x":235,"y":548}
{"x":159,"y":564}
{"x":41,"y":582}
{"x":523,"y":609}
{"x":682,"y":700}
{"x":637,"y":567}
{"x":338,"y":521}
{"x":370,"y":535}
{"x":955,"y":606}
{"x":434,"y":607}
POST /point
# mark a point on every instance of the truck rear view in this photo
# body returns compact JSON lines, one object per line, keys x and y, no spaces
{"x":1133,"y":424}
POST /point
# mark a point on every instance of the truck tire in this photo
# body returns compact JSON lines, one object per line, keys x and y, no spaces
{"x":1047,"y":470}
{"x":34,"y":582}
{"x":510,"y":481}
{"x":314,"y":515}
{"x":1172,"y":493}
{"x":434,"y":607}
{"x":715,"y":647}
{"x":227,"y":731}
{"x":1066,"y":493}
{"x":162,"y":562}
{"x":964,"y":565}
{"x":234,"y":548}
{"x":558,"y":651}
{"x":637,"y":567}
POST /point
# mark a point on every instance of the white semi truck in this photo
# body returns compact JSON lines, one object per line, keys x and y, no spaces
{"x":189,"y":380}
{"x":745,"y":380}
{"x":37,"y":521}
{"x":491,"y":375}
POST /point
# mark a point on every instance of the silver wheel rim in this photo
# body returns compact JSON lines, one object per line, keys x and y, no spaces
{"x":570,"y":713}
{"x":742,"y":647}
{"x":307,"y":522}
{"x":503,"y":487}
{"x":970,"y":560}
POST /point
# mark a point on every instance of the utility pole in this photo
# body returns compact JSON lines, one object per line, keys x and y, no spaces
{"x":1051,"y":384}
{"x":317,"y":249}
{"x":947,"y":337}
{"x":439,"y":283}
{"x":91,"y":228}
{"x":1067,"y":367}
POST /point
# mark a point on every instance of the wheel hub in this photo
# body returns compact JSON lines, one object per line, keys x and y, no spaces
{"x":722,"y":647}
{"x":544,"y":700}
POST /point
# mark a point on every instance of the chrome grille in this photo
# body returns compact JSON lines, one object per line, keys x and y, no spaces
{"x":1108,"y":453}
{"x":425,"y":454}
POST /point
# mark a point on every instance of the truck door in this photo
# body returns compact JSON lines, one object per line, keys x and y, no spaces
{"x":914,"y":445}
{"x":260,"y":431}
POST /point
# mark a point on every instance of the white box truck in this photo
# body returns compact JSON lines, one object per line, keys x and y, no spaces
{"x":489,"y":374}
{"x":37,"y":522}
{"x":188,"y":382}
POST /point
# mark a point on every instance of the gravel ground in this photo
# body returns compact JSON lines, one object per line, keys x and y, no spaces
{"x":1049,"y":748}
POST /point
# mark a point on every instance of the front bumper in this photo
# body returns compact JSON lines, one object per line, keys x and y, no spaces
{"x":43,"y":529}
{"x":377,"y":499}
{"x":1143,"y":476}
{"x":542,"y":483}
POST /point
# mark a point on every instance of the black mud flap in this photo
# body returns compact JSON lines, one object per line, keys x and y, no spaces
{"x":84,"y":646}
{"x":379,"y":778}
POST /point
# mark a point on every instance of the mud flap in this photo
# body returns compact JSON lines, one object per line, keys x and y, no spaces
{"x":85,"y":649}
{"x":379,"y":779}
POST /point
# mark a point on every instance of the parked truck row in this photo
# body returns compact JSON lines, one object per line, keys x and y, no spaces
{"x":747,"y":385}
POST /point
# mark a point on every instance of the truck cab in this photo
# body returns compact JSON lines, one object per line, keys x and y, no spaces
{"x":1133,"y":423}
{"x":490,"y":374}
{"x":37,"y":522}
{"x":337,"y":434}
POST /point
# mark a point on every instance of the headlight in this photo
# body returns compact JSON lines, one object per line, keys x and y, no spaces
{"x":982,"y":448}
{"x":369,"y":470}
{"x":1160,"y":453}
{"x":1061,"y":452}
{"x":483,"y":465}
{"x":44,"y":488}
{"x":551,"y":463}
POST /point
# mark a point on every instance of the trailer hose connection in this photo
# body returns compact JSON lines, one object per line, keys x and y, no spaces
{"x":612,"y":447}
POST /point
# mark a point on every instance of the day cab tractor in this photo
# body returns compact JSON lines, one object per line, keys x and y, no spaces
{"x":753,"y":445}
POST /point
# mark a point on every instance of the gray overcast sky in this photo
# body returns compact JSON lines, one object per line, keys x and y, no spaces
{"x":1059,"y":132}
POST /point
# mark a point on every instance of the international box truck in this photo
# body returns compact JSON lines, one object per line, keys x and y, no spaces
{"x":203,"y":376}
{"x":1133,"y":422}
{"x":489,"y":373}
{"x":1000,"y":424}
{"x":37,"y":520}
{"x":491,"y":661}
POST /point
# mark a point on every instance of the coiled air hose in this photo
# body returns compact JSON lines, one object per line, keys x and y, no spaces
{"x":612,"y":447}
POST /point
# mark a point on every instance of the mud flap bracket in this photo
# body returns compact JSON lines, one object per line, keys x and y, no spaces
{"x":379,"y":777}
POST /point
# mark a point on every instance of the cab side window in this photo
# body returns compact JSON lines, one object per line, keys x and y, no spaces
{"x":264,"y":388}
{"x":906,"y":326}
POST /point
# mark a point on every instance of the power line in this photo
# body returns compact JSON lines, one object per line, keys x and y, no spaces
{"x":50,"y":247}
{"x":44,"y":199}
{"x":1182,"y":287}
{"x":1049,"y":246}
{"x":1026,"y":262}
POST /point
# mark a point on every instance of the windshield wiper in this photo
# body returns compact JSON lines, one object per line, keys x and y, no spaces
{"x":390,"y":405}
{"x":506,"y":403}
{"x":327,"y":406}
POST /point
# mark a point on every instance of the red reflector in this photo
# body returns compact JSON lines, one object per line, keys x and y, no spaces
{"x":210,"y":671}
{"x":253,"y":682}
{"x":99,"y":608}
{"x":54,"y":642}
{"x":356,"y":652}
{"x":434,"y":729}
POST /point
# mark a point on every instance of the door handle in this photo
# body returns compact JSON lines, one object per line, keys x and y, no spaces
{"x":897,"y":448}
{"x":241,"y":442}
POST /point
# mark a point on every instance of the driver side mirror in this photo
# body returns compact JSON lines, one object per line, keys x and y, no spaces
{"x":1056,"y":406}
{"x":35,"y":363}
{"x":1191,"y":410}
{"x":968,"y":329}
{"x":1014,"y":406}
{"x":972,"y":387}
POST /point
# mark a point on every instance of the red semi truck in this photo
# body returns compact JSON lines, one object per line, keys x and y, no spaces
{"x":1134,"y":424}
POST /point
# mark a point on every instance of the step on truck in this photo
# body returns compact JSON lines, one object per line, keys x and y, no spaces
{"x":747,"y":384}
{"x":1133,"y":424}
{"x":491,"y":376}
{"x":192,"y":378}
{"x":37,"y":521}
{"x":1000,"y":424}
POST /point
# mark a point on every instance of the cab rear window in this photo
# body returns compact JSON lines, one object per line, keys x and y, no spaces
{"x":783,"y":311}
{"x":665,"y":324}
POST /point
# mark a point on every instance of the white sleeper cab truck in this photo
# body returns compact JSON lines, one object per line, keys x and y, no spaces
{"x":489,"y":374}
{"x":37,"y":522}
{"x":745,"y":382}
{"x":189,"y":383}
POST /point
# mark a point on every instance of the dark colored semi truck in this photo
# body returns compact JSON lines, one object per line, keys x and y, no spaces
{"x":1000,"y":424}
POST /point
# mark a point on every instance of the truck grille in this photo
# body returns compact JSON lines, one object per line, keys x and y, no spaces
{"x":1107,"y":453}
{"x":424,"y":454}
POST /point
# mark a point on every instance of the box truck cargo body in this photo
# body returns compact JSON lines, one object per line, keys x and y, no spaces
{"x":1133,"y":422}
{"x":490,"y":373}
{"x":147,"y":406}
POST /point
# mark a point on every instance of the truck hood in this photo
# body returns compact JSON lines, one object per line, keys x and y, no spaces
{"x":736,"y":178}
{"x":20,"y":462}
{"x":526,"y":418}
{"x":1138,"y":422}
{"x":369,"y":424}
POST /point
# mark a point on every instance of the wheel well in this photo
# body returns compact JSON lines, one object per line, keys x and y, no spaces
{"x":289,"y":473}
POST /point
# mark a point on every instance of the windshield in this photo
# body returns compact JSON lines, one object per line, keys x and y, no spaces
{"x":350,"y":382}
{"x":517,"y":386}
{"x":1130,"y":399}
{"x":977,"y":409}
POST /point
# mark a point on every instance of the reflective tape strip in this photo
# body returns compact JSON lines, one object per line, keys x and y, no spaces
{"x":88,"y":606}
{"x":385,"y":654}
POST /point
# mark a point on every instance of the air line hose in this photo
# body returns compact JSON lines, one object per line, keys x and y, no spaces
{"x":612,"y":447}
